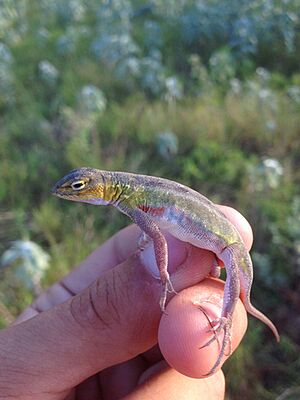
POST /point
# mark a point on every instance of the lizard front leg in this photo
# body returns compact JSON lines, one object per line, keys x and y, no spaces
{"x":151,"y":230}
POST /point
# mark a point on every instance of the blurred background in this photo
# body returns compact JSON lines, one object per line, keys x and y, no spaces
{"x":203,"y":92}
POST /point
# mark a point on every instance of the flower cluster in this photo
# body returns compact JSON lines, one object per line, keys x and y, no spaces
{"x":29,"y":262}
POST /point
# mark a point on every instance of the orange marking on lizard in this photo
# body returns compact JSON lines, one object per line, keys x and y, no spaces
{"x":152,"y":210}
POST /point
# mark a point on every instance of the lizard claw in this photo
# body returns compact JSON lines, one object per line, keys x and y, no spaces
{"x":221,"y":324}
{"x":167,"y":288}
{"x":216,"y":327}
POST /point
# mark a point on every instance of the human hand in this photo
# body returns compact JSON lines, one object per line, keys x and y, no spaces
{"x":93,"y":334}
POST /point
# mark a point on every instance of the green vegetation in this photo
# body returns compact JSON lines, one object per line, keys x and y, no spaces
{"x":200,"y":92}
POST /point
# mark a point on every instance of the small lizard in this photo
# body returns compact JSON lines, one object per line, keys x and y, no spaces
{"x":157,"y":205}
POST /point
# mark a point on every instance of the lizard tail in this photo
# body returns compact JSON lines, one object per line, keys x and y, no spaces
{"x":246,"y":278}
{"x":258,"y":314}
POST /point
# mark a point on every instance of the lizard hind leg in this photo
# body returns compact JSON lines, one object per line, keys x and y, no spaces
{"x":230,"y":257}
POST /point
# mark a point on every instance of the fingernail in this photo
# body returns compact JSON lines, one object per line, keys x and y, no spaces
{"x":148,"y":260}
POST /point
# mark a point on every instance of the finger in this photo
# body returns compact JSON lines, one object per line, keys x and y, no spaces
{"x":120,"y":380}
{"x":112,"y":321}
{"x":185,"y":328}
{"x":118,"y":248}
{"x":171,"y":385}
{"x":240,"y":222}
{"x":89,"y":390}
{"x":111,"y":253}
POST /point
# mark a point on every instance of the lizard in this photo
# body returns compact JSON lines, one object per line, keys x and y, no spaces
{"x":157,"y":205}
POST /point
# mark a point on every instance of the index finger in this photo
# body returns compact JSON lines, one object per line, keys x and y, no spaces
{"x":118,"y":248}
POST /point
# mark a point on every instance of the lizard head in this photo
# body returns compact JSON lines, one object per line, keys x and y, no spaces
{"x":85,"y":185}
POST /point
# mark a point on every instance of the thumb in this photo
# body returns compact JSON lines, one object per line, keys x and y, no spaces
{"x":111,"y":321}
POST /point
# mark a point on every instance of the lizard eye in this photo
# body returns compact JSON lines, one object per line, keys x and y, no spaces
{"x":78,"y":185}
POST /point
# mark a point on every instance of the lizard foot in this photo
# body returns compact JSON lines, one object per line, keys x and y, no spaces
{"x":167,"y":288}
{"x":216,"y":327}
{"x":222,"y":324}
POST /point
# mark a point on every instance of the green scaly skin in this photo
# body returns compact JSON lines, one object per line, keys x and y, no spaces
{"x":157,"y":205}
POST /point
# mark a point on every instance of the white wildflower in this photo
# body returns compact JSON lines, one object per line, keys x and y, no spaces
{"x":48,"y":73}
{"x":167,"y":144}
{"x":92,"y":99}
{"x":29,"y":261}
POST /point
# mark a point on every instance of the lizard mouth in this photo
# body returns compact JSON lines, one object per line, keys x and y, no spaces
{"x":54,"y":190}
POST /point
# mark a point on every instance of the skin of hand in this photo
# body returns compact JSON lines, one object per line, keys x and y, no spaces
{"x":93,"y":335}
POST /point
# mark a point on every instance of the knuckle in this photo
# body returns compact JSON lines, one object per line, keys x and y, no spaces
{"x":96,"y":306}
